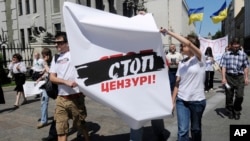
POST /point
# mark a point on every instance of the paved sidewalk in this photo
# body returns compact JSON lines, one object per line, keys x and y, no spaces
{"x":105,"y":125}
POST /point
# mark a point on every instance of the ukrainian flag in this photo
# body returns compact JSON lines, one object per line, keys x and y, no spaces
{"x":195,"y":15}
{"x":220,"y":15}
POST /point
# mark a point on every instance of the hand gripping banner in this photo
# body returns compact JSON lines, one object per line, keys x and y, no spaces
{"x":120,"y":62}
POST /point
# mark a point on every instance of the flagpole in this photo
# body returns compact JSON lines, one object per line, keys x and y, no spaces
{"x":200,"y":27}
{"x":203,"y":18}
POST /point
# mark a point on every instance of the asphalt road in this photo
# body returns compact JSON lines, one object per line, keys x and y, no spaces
{"x":20,"y":124}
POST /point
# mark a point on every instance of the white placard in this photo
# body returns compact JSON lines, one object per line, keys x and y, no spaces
{"x":32,"y":88}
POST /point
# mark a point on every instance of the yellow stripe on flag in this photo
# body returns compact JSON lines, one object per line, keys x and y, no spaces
{"x":195,"y":17}
{"x":222,"y":15}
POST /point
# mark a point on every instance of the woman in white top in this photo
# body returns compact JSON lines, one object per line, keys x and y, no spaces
{"x":209,"y":79}
{"x":18,"y":68}
{"x":188,"y":95}
{"x":47,"y":57}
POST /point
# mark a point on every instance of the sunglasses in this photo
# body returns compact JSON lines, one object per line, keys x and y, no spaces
{"x":60,"y":42}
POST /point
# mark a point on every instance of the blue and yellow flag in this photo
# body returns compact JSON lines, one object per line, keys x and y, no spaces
{"x":195,"y":15}
{"x":220,"y":15}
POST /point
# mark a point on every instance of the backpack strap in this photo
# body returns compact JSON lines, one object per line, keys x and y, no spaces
{"x":56,"y":57}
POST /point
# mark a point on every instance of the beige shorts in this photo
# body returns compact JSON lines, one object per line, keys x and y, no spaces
{"x":73,"y":108}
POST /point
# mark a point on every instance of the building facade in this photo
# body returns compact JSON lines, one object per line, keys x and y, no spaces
{"x":24,"y":20}
{"x":247,"y":27}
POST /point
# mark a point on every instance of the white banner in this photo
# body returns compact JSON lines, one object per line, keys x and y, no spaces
{"x":120,"y":62}
{"x":32,"y":88}
{"x":218,"y":46}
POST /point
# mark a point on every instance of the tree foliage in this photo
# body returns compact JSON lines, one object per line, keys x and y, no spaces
{"x":217,"y":35}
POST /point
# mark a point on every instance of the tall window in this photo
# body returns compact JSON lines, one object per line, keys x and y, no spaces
{"x":56,"y":5}
{"x":29,"y":34}
{"x":27,"y":4}
{"x":22,"y":38}
{"x":20,"y":7}
{"x":34,"y":6}
{"x":57,"y":27}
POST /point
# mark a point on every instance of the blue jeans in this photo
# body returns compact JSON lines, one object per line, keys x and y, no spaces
{"x":189,"y":111}
{"x":44,"y":106}
{"x":136,"y":134}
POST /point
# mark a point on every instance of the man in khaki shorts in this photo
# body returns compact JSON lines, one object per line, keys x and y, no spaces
{"x":70,"y":103}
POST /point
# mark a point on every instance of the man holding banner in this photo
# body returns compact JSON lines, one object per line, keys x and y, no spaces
{"x":70,"y":102}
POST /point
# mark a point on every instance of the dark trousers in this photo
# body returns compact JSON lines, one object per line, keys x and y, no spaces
{"x":209,"y":80}
{"x":172,"y":79}
{"x":2,"y":100}
{"x":237,"y":85}
{"x":36,"y":75}
{"x":52,"y":129}
{"x":158,"y":128}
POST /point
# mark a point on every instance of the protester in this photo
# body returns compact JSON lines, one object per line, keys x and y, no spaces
{"x":2,"y":74}
{"x":173,"y":58}
{"x":234,"y":65}
{"x":157,"y":125}
{"x":37,"y":68}
{"x":188,"y":96}
{"x":17,"y":66}
{"x":47,"y":57}
{"x":159,"y":130}
{"x":209,"y":79}
{"x":70,"y":103}
{"x":2,"y":100}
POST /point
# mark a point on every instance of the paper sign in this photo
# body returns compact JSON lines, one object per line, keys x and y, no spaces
{"x":32,"y":88}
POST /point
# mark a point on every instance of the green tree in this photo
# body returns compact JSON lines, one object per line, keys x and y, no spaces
{"x":217,"y":35}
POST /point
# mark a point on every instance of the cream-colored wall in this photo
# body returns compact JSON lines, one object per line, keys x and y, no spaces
{"x":238,"y":4}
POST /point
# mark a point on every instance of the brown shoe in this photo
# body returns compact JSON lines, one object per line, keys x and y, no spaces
{"x":41,"y":125}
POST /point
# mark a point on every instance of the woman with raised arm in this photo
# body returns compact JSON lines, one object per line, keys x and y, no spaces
{"x":188,"y":95}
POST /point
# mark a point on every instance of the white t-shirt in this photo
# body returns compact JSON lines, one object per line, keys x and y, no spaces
{"x":13,"y":67}
{"x":209,"y":64}
{"x":192,"y":77}
{"x":64,"y":70}
{"x":38,"y":65}
{"x":174,"y":58}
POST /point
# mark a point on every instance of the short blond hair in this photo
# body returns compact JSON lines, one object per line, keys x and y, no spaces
{"x":141,"y":12}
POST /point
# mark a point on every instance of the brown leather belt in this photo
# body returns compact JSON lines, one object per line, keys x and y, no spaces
{"x":71,"y":96}
{"x":234,"y":74}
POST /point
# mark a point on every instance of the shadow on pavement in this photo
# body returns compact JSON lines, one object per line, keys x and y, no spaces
{"x":12,"y":109}
{"x":148,"y":134}
{"x":30,"y":101}
{"x":222,"y":112}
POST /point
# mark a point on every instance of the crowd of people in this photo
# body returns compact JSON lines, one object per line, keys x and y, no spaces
{"x":191,"y":76}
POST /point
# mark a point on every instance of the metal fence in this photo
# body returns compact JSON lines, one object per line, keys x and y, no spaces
{"x":8,"y":49}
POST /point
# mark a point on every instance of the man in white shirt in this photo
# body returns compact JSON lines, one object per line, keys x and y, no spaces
{"x":70,"y":102}
{"x":37,"y":67}
{"x":173,"y":57}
